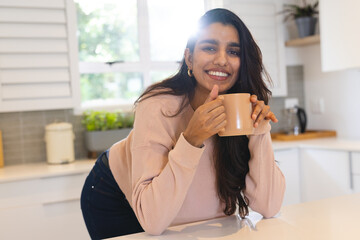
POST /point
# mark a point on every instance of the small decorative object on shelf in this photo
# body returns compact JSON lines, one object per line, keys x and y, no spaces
{"x":103,"y":129}
{"x":305,"y":17}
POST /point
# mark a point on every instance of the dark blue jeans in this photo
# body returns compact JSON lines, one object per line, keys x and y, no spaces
{"x":105,"y":209}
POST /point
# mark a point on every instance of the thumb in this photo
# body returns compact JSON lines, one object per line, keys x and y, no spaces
{"x":213,"y":94}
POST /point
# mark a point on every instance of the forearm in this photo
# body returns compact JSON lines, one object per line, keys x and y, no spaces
{"x":265,"y":183}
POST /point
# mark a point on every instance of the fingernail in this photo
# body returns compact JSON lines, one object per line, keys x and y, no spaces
{"x":256,"y":125}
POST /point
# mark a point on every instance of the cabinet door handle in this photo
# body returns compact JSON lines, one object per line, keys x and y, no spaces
{"x":351,"y":172}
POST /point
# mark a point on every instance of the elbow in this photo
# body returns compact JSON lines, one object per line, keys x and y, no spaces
{"x":154,"y":229}
{"x":271,"y":211}
{"x":272,"y":206}
{"x":154,"y":224}
{"x":268,"y":209}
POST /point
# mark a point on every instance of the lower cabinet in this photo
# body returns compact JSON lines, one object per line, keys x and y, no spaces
{"x":288,"y":161}
{"x":312,"y":174}
{"x":355,"y":166}
{"x":47,"y":208}
{"x":324,"y":173}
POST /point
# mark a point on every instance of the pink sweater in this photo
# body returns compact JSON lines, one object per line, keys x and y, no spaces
{"x":167,"y":181}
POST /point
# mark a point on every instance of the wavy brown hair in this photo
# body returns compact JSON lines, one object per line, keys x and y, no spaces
{"x":231,"y":154}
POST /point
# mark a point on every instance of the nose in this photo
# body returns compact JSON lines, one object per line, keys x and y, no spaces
{"x":221,"y":58}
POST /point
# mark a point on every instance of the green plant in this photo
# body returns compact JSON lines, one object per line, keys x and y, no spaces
{"x":292,"y":11}
{"x":102,"y":120}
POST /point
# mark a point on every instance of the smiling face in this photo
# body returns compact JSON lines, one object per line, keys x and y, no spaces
{"x":215,"y":59}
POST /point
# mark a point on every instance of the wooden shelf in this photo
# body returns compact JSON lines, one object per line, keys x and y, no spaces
{"x":303,"y":41}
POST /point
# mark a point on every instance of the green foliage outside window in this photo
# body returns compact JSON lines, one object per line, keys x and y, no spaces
{"x":111,"y":86}
{"x":107,"y":32}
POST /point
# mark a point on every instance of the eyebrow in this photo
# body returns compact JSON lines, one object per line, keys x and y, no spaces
{"x":212,"y":41}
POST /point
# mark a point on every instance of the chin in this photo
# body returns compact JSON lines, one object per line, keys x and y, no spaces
{"x":223,"y":89}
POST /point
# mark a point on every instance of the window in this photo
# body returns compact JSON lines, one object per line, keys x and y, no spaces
{"x":126,"y":45}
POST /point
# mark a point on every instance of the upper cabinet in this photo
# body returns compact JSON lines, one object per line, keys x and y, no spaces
{"x":38,"y":55}
{"x":266,"y":27}
{"x":340,"y":35}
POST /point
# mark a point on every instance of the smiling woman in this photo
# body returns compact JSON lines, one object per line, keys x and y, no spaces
{"x":173,"y":167}
{"x":124,"y":46}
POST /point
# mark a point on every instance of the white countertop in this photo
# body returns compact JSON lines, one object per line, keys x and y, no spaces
{"x":332,"y":218}
{"x":39,"y":170}
{"x":329,"y":143}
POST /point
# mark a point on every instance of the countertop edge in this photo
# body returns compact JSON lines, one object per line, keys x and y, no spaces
{"x":43,"y":170}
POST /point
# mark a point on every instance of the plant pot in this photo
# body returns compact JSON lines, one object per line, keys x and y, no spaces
{"x":306,"y":26}
{"x":97,"y":141}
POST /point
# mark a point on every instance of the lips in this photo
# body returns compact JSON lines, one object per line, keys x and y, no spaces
{"x":218,"y":75}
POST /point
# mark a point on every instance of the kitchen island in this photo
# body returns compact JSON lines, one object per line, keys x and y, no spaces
{"x":332,"y":218}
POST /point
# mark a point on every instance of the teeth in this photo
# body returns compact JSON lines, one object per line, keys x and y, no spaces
{"x":219,"y":74}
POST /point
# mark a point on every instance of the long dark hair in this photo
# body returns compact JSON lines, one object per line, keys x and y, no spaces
{"x":231,"y":153}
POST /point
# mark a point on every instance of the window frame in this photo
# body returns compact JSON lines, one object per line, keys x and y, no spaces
{"x":144,"y":66}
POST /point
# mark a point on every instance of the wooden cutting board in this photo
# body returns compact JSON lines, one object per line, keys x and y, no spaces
{"x":310,"y":134}
{"x":1,"y":152}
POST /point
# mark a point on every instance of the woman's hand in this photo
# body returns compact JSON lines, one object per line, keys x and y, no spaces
{"x":207,"y":120}
{"x":261,"y":111}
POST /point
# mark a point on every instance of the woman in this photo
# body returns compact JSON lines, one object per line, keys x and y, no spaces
{"x":173,"y":168}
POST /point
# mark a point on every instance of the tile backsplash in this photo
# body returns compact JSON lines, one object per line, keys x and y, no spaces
{"x":23,"y":132}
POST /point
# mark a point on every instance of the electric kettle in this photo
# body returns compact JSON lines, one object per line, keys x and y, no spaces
{"x":296,"y":120}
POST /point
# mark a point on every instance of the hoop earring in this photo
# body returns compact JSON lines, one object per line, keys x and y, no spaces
{"x":190,"y":72}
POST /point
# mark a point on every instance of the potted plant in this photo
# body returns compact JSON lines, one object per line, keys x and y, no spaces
{"x":103,"y":129}
{"x":305,"y":17}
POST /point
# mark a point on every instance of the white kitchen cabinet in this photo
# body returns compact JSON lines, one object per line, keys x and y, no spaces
{"x":356,"y":183}
{"x":340,"y":36}
{"x":324,"y":173}
{"x":42,"y":208}
{"x":288,"y":162}
{"x":38,"y":55}
{"x":355,"y":169}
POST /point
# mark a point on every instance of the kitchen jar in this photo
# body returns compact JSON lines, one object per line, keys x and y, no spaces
{"x":59,"y":138}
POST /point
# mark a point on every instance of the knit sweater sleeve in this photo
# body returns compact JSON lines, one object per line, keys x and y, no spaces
{"x":265,"y":183}
{"x":162,"y":167}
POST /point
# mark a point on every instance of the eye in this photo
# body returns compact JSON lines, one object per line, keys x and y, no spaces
{"x":234,"y":52}
{"x":208,"y":49}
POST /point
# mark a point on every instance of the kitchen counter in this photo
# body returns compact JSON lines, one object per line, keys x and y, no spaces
{"x":330,"y":143}
{"x":43,"y":169}
{"x":332,"y":218}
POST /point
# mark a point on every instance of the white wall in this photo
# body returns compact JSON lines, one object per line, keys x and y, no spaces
{"x":340,"y":92}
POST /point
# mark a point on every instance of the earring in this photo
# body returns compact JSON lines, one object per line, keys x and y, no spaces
{"x":190,"y":72}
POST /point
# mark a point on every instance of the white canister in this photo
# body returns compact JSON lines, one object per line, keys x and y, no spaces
{"x":59,"y":138}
